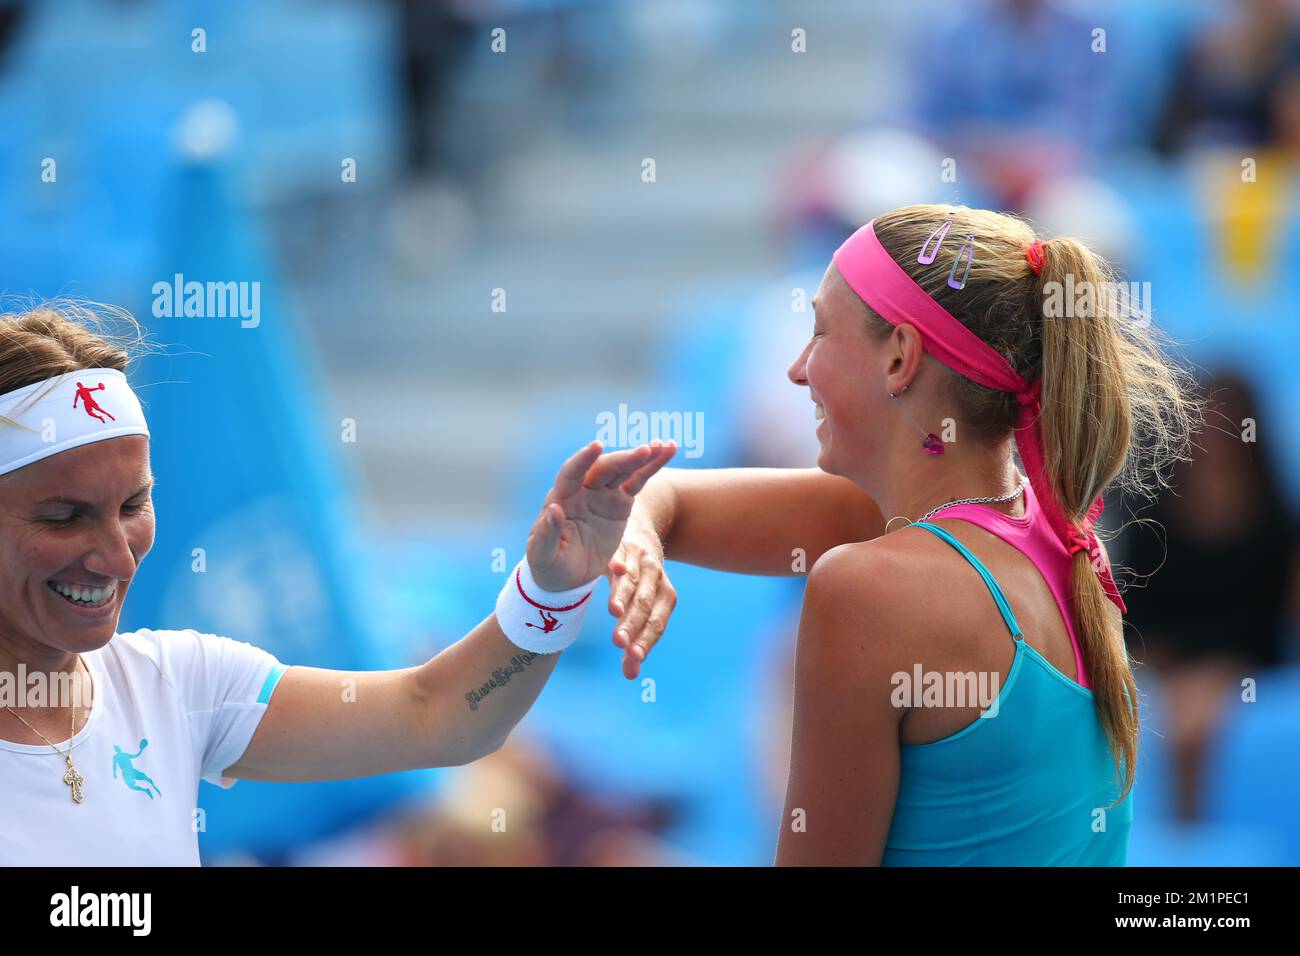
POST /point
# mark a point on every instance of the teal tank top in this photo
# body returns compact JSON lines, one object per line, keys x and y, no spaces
{"x":1031,"y":786}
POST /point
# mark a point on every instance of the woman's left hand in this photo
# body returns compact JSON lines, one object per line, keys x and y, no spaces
{"x":584,"y":516}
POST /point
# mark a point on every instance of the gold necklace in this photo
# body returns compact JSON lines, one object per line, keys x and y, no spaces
{"x":72,"y":777}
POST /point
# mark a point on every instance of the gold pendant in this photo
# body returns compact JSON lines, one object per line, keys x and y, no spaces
{"x":74,"y":780}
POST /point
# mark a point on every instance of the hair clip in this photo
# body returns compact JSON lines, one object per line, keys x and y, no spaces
{"x":967,"y":249}
{"x":941,"y":233}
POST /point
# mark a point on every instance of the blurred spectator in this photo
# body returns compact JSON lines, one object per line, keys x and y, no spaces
{"x":1090,"y":210}
{"x":549,"y":820}
{"x":435,"y":39}
{"x":12,"y":13}
{"x":1015,"y":89}
{"x":831,"y":187}
{"x":1226,"y":583}
{"x":1236,"y":83}
{"x":511,"y":808}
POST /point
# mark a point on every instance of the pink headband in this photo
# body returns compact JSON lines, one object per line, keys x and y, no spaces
{"x":886,"y":287}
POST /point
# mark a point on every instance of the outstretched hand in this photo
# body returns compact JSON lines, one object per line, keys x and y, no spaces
{"x":640,"y":596}
{"x":584,"y":516}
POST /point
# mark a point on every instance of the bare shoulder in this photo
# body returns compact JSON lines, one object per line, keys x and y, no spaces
{"x":863,"y":597}
{"x":856,"y":567}
{"x":880,"y":573}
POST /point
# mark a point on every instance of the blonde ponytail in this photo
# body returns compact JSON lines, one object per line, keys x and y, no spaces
{"x":1117,"y":411}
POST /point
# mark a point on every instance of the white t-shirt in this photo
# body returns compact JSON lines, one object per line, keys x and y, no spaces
{"x":167,"y":708}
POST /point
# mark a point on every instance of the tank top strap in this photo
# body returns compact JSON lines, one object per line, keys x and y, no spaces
{"x":1003,"y":606}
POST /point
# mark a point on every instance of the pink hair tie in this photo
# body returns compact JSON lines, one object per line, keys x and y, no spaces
{"x":1036,"y":255}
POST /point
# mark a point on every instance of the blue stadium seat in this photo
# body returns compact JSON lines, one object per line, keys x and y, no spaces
{"x":1252,"y":772}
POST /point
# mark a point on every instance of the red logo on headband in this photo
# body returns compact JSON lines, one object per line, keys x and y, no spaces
{"x":83,"y":395}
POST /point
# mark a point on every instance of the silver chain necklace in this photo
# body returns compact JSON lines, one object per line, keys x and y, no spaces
{"x":978,"y":501}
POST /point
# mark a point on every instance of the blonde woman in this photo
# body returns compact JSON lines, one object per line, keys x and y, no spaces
{"x":940,"y":569}
{"x":103,"y":768}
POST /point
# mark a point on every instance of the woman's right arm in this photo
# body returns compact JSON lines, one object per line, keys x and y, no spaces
{"x":769,"y":521}
{"x":326,"y":724}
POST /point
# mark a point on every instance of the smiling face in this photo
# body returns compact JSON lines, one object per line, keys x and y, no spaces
{"x":78,"y":522}
{"x":839,"y":366}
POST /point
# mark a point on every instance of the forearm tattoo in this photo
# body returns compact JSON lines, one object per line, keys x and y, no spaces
{"x":500,"y":677}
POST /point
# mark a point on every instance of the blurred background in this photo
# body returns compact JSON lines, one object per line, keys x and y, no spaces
{"x":469,"y":232}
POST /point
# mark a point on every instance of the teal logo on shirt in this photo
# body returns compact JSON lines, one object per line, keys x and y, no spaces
{"x":130,"y":776}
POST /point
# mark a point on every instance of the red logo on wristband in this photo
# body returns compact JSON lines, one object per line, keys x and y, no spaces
{"x":549,"y":620}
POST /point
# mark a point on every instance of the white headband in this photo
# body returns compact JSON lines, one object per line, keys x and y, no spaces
{"x":66,"y":411}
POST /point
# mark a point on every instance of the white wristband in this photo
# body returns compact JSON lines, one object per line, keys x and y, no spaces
{"x":544,"y":622}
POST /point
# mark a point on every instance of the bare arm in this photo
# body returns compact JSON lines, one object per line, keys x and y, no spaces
{"x":334,"y":725}
{"x":331,"y":725}
{"x":769,"y":521}
{"x":752,"y":520}
{"x":844,"y":751}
